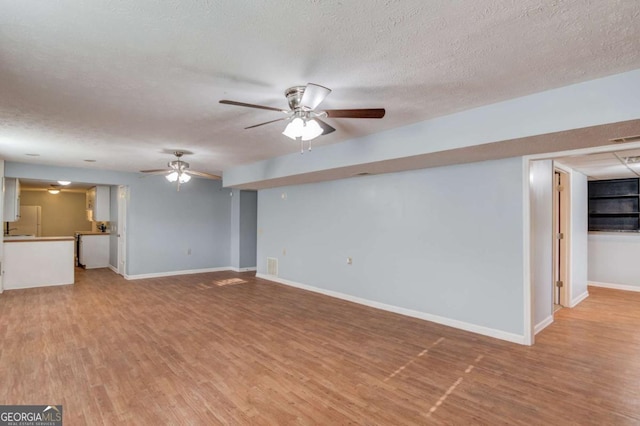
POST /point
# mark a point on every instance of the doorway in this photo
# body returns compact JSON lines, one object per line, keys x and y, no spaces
{"x":561,"y":238}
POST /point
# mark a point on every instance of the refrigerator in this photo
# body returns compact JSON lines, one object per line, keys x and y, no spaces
{"x":29,"y":222}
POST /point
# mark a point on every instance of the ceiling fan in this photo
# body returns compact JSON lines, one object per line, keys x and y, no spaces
{"x":305,"y":121}
{"x":178,"y":171}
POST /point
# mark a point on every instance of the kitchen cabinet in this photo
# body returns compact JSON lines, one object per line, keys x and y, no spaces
{"x":98,"y":204}
{"x":11,"y":200}
{"x":93,"y":250}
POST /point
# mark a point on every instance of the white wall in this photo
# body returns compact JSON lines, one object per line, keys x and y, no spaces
{"x":443,"y":243}
{"x":541,"y":193}
{"x":613,"y":260}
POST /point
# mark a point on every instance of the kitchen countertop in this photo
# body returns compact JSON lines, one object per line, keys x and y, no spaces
{"x":91,"y":233}
{"x":23,"y":239}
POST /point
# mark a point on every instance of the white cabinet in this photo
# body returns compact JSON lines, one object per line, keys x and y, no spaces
{"x":93,"y":251}
{"x":98,"y":204}
{"x":11,"y":200}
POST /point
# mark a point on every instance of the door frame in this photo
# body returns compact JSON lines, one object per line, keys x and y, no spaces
{"x":561,"y":224}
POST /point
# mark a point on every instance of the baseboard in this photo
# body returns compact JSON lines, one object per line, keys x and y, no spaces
{"x":625,"y":287}
{"x":580,"y":298}
{"x":26,"y":287}
{"x":486,"y":331}
{"x":173,"y":273}
{"x":248,"y":269}
{"x":113,"y":268}
{"x":543,"y":324}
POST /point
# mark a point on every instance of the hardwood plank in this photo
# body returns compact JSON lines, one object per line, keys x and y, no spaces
{"x":187,"y":350}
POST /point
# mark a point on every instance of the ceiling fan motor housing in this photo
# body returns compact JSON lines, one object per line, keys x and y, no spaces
{"x":294,"y":96}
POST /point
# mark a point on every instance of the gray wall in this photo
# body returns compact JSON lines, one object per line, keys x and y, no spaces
{"x":244,"y":206}
{"x":248,"y":228}
{"x":171,"y":230}
{"x":445,"y":241}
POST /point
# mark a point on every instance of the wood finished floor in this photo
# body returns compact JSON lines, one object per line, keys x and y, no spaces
{"x":188,"y":350}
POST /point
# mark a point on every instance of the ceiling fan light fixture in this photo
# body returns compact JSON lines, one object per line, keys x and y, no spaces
{"x":172,"y":177}
{"x":311,"y":130}
{"x":307,"y":129}
{"x":294,"y":129}
{"x":184,"y":178}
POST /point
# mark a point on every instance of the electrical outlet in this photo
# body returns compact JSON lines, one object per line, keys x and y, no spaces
{"x":349,"y":261}
{"x":284,"y":196}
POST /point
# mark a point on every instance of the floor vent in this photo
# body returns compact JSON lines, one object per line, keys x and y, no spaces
{"x":272,"y":266}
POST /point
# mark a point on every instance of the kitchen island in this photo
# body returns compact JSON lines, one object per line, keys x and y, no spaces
{"x":38,"y":262}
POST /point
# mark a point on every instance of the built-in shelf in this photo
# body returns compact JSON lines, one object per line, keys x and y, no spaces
{"x":614,"y":214}
{"x":598,"y":197}
{"x":614,"y":205}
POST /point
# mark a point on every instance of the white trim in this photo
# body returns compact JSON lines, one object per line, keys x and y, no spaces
{"x":625,"y":287}
{"x":486,"y":331}
{"x":543,"y":324}
{"x":527,"y":290}
{"x":113,"y":268}
{"x":173,"y":273}
{"x":247,"y":269}
{"x":580,"y":298}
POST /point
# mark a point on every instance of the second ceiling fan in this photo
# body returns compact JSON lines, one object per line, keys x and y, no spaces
{"x":305,"y":120}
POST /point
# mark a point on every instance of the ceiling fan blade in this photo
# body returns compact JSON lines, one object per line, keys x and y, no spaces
{"x":242,"y":104}
{"x":268,"y":122}
{"x":326,"y":129}
{"x":313,"y":95}
{"x":202,"y":174}
{"x":356,"y":113}
{"x":156,"y":171}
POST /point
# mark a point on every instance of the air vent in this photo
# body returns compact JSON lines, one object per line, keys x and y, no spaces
{"x":272,"y":266}
{"x":630,"y":160}
{"x":626,"y":139}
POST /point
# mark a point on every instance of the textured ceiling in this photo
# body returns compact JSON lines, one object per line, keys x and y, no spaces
{"x":122,"y":82}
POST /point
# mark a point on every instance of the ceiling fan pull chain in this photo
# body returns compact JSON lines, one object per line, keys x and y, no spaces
{"x":301,"y":146}
{"x":309,"y":144}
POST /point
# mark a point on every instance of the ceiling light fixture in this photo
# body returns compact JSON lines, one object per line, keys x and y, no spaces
{"x":306,"y":129}
{"x":64,"y":182}
{"x":53,"y":191}
{"x":303,"y":128}
{"x":178,"y":171}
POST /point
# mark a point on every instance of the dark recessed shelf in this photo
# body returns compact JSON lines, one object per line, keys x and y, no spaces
{"x":614,"y":213}
{"x":614,"y":205}
{"x":599,"y":197}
